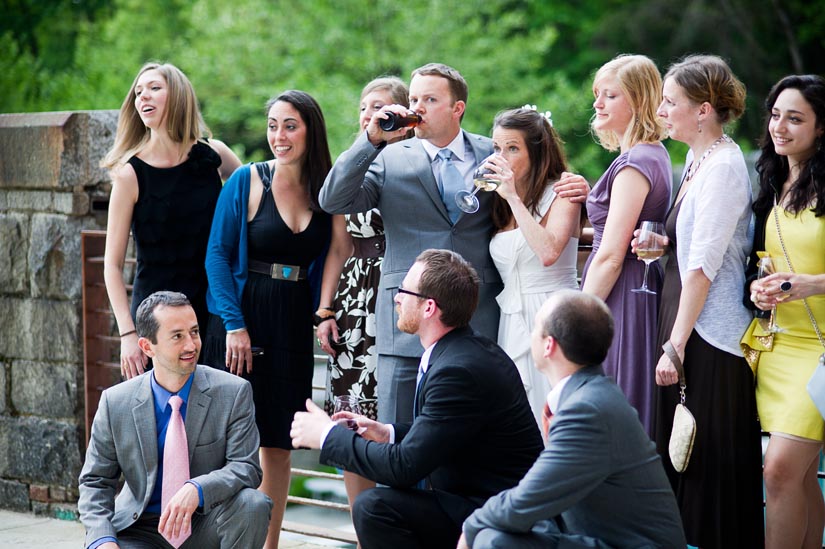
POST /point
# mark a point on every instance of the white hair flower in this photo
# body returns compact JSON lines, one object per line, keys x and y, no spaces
{"x":546,"y":114}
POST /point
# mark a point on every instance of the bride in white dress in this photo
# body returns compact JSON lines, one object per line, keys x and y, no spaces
{"x":537,"y":235}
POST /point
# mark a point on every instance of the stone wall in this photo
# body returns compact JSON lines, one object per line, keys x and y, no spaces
{"x":50,"y":185}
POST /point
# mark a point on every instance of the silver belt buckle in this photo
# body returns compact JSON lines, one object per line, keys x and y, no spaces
{"x":285,"y":272}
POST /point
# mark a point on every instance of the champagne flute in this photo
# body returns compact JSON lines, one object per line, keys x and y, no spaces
{"x":347,"y":403}
{"x":468,"y":201}
{"x":767,"y":266}
{"x":649,"y":248}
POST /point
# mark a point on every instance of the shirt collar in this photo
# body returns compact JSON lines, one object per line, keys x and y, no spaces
{"x":162,"y":395}
{"x":424,"y":365}
{"x":554,"y":395}
{"x":456,"y":146}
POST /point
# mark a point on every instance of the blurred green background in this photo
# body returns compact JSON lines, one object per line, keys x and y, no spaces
{"x":84,"y":54}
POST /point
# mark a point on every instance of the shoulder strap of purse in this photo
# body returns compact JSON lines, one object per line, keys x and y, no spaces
{"x":790,"y":267}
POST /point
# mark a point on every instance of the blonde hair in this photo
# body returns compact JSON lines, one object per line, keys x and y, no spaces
{"x":396,"y":87}
{"x":641,"y":84}
{"x":184,"y":122}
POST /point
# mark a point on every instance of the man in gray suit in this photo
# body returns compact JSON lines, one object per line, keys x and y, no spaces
{"x":404,"y":181}
{"x":599,"y":483}
{"x":219,"y":504}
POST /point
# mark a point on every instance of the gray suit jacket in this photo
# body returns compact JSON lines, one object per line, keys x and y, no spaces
{"x":600,"y":472}
{"x":223,"y":448}
{"x":398,"y":180}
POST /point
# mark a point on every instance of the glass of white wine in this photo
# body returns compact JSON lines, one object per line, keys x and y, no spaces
{"x":468,"y":201}
{"x":767,"y":266}
{"x":649,"y":248}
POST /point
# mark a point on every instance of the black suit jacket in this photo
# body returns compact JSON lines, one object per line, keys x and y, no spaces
{"x":474,"y":434}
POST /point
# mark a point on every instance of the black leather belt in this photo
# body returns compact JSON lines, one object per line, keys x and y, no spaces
{"x":278,"y":271}
{"x":369,"y":247}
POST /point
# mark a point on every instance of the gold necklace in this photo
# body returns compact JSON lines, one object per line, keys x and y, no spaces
{"x":694,"y":167}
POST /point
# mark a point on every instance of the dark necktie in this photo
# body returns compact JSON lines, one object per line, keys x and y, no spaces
{"x":450,"y":183}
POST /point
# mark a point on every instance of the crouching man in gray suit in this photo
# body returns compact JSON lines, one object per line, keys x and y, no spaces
{"x":219,"y":504}
{"x":599,"y":483}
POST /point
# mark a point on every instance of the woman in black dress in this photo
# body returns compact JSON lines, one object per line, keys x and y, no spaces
{"x":166,"y":177}
{"x":266,"y":250}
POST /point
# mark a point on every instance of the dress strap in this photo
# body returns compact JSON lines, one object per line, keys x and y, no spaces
{"x":265,"y":174}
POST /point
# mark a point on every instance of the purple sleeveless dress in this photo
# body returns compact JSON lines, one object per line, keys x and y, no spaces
{"x":631,"y":360}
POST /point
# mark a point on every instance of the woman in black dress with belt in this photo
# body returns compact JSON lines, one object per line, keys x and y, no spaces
{"x":266,"y":252}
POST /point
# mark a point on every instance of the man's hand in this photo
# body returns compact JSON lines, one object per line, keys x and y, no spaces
{"x":376,"y":135}
{"x":364,"y":426}
{"x":308,"y":426}
{"x":177,"y":517}
{"x":462,"y":542}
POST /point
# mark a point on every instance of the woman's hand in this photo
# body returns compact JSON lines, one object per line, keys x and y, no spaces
{"x":327,"y":332}
{"x":666,"y":373}
{"x":503,"y":173}
{"x":663,"y":240}
{"x":132,"y":359}
{"x":573,"y":187}
{"x":238,"y":352}
{"x":776,"y":288}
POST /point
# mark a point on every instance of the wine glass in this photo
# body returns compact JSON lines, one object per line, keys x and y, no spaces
{"x":347,"y":403}
{"x":649,"y":248}
{"x":466,"y":200}
{"x":767,"y":266}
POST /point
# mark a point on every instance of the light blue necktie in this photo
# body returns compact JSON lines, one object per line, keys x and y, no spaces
{"x":451,"y":182}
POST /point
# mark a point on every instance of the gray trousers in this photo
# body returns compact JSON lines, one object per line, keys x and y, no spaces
{"x":240,"y":522}
{"x":544,"y":535}
{"x":396,"y":388}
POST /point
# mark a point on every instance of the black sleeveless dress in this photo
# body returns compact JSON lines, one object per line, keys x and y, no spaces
{"x":171,"y":222}
{"x":278,"y":316}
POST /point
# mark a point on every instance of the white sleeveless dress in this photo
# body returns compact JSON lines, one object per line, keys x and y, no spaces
{"x":527,"y":285}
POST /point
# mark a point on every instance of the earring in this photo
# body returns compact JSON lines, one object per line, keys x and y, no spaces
{"x":699,"y":123}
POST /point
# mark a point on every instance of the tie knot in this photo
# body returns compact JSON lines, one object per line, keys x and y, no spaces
{"x":175,"y":402}
{"x":445,"y":154}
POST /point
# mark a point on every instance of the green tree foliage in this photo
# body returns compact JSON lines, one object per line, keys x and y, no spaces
{"x":83,"y":54}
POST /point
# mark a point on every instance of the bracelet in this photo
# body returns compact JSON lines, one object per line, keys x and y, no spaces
{"x":130,"y":332}
{"x":322,"y":315}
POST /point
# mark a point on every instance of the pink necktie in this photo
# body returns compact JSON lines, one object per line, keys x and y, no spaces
{"x":546,"y":418}
{"x":175,"y":462}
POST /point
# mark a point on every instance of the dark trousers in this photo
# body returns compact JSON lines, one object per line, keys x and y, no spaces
{"x":403,"y":519}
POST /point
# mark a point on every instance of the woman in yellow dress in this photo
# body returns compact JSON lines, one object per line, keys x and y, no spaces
{"x":790,"y":227}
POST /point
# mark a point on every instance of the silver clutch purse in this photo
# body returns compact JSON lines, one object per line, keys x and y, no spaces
{"x":683,"y":432}
{"x":681,"y":436}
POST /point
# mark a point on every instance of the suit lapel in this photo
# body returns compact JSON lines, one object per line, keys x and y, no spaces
{"x":421,"y":166}
{"x":143,"y":414}
{"x":197,"y":408}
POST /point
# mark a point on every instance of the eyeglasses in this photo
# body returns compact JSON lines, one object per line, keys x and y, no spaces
{"x":420,"y":296}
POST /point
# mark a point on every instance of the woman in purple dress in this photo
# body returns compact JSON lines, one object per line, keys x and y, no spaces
{"x":635,"y":188}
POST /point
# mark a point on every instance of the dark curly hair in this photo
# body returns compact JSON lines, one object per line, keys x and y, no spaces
{"x":773,"y":169}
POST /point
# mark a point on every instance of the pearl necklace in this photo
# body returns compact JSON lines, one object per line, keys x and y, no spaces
{"x":694,"y":167}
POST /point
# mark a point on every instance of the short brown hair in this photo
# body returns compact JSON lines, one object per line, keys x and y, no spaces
{"x":581,"y":324}
{"x":458,"y":86}
{"x":146,"y":323}
{"x":452,"y":282}
{"x":707,"y":78}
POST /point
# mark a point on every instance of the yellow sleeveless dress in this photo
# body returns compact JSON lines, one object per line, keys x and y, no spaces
{"x":782,"y":374}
